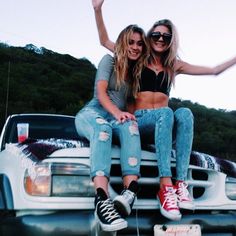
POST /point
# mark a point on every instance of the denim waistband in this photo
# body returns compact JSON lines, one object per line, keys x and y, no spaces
{"x":143,"y":111}
{"x":140,"y":112}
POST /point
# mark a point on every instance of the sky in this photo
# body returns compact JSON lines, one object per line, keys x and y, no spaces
{"x":207,"y":32}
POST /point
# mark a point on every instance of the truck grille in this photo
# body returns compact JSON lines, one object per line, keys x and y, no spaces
{"x":206,"y":186}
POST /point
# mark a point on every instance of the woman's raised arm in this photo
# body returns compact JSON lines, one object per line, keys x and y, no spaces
{"x":186,"y":68}
{"x":102,"y":32}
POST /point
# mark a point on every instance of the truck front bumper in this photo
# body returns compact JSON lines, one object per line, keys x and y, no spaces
{"x":140,"y":222}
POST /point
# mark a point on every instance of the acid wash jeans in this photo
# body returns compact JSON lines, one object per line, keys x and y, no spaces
{"x":98,"y":129}
{"x":157,"y":126}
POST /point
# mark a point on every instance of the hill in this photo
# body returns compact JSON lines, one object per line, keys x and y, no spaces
{"x":40,"y":80}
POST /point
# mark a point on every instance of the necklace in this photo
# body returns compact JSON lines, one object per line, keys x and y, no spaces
{"x":156,"y":68}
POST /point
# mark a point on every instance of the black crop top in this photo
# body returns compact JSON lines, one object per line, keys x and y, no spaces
{"x":149,"y":81}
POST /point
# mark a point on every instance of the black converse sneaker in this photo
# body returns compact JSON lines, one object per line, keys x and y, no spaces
{"x":106,"y":214}
{"x":125,"y":201}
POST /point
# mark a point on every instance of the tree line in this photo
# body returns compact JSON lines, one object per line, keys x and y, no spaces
{"x":38,"y":80}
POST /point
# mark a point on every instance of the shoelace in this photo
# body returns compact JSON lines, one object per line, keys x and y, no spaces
{"x":170,"y":199}
{"x":183,"y":191}
{"x":128,"y":195}
{"x":108,"y":210}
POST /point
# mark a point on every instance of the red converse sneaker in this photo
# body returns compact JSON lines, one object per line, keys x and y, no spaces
{"x":185,"y":200}
{"x":169,"y":202}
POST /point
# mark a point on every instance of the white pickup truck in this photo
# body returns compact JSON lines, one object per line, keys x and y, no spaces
{"x":45,"y":188}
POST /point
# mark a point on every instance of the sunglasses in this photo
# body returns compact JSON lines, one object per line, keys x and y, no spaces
{"x":155,"y":36}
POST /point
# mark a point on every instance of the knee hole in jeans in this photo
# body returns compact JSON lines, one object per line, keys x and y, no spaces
{"x":103,"y":136}
{"x":101,"y":121}
{"x":133,"y":128}
{"x":105,"y":128}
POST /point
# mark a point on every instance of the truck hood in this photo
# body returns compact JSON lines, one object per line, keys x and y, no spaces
{"x":39,"y":150}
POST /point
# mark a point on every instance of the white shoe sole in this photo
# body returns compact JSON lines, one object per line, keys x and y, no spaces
{"x":112,"y":227}
{"x":170,"y":215}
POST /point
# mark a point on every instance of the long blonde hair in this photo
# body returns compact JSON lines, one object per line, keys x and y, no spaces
{"x":123,"y":67}
{"x":169,"y":57}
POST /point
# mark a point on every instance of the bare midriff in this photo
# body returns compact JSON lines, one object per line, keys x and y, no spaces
{"x":150,"y":100}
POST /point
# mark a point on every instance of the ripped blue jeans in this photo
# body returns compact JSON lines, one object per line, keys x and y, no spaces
{"x":98,"y":128}
{"x":157,"y":126}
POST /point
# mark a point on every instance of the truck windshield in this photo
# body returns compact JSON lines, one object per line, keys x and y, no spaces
{"x":42,"y":127}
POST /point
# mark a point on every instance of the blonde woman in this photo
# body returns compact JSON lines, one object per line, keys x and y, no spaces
{"x":106,"y":116}
{"x":157,"y":122}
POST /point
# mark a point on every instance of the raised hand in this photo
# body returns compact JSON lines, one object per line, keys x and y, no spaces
{"x":97,"y":4}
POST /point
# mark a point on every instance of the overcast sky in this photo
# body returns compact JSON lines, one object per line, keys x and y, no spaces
{"x":207,"y":30}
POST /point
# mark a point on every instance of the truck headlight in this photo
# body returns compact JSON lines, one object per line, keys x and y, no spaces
{"x":60,"y":180}
{"x":230,"y":188}
{"x":38,"y":181}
